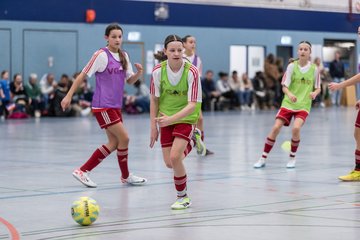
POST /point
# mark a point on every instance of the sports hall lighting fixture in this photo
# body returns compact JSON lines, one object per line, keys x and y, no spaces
{"x":161,"y":12}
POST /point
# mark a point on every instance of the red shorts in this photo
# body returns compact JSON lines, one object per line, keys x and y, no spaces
{"x":357,"y":123}
{"x":181,"y":130}
{"x":108,"y":117}
{"x":286,"y":115}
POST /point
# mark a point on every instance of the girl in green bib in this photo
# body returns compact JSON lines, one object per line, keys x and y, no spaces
{"x":175,"y":105}
{"x":301,"y":85}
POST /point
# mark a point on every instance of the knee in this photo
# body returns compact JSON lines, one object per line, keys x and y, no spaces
{"x":125,"y":140}
{"x":112,"y":146}
{"x":168,"y":164}
{"x":175,"y":159}
{"x":296,"y":130}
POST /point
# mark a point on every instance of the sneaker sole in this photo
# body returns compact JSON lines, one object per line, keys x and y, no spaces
{"x":135,"y":184}
{"x":90,"y":186}
{"x":262,"y":166}
{"x":349,"y":180}
{"x":182,"y":208}
{"x":203,"y":153}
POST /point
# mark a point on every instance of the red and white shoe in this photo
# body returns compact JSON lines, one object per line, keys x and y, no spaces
{"x":83,"y":177}
{"x":134,"y":180}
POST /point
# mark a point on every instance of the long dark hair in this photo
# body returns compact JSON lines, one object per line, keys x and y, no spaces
{"x":172,"y":38}
{"x":160,"y":55}
{"x":109,"y":28}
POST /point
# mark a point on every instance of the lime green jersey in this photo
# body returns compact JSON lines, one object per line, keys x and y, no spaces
{"x":174,"y":98}
{"x":302,"y":84}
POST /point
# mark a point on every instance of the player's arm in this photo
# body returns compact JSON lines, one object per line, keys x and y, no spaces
{"x":351,"y":81}
{"x":67,"y":99}
{"x":154,"y":106}
{"x":154,"y":109}
{"x":317,"y":84}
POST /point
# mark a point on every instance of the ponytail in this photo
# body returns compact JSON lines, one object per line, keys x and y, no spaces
{"x":160,"y":56}
{"x":123,"y":60}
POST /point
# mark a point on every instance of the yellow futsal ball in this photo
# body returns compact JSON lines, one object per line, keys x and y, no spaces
{"x":286,"y":146}
{"x":85,"y":211}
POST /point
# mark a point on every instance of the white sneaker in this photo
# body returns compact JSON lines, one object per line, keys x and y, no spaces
{"x":291,"y":163}
{"x":260,"y":163}
{"x":181,"y":203}
{"x":83,"y":177}
{"x":134,"y":180}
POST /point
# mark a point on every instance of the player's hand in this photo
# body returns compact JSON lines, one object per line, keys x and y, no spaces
{"x":292,"y":97}
{"x":334,"y":86}
{"x":65,"y":103}
{"x":163,"y":120}
{"x":139,"y":67}
{"x":313,"y":95}
{"x":154,"y":135}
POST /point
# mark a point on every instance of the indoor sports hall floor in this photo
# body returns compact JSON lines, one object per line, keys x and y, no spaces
{"x":231,"y":200}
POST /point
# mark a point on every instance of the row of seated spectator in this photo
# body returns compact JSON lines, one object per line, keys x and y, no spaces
{"x":19,"y":100}
{"x":235,"y":92}
{"x":43,"y":98}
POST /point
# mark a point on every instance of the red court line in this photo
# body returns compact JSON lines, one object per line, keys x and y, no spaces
{"x":14,"y":233}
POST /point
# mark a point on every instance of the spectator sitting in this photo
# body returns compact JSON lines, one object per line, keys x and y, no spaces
{"x":32,"y":89}
{"x":224,"y":88}
{"x":19,"y":97}
{"x":48,"y":86}
{"x":210,"y":93}
{"x":261,"y":95}
{"x":246,"y":91}
{"x":5,"y":94}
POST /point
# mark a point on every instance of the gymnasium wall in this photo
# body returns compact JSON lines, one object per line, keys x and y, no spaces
{"x":32,"y":31}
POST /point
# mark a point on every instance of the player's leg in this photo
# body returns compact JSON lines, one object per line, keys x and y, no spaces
{"x":269,"y":142}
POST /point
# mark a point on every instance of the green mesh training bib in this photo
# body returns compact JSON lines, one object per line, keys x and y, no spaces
{"x":302,"y":84}
{"x":174,"y":98}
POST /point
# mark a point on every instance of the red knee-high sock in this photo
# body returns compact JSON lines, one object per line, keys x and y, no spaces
{"x":294,"y":147}
{"x":180,"y":185}
{"x":269,"y":143}
{"x":96,"y":158}
{"x":357,"y":160}
{"x":122,"y":155}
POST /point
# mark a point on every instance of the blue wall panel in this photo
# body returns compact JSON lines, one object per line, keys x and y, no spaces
{"x":40,"y":45}
{"x":5,"y":50}
{"x":137,"y":12}
{"x":213,"y":43}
